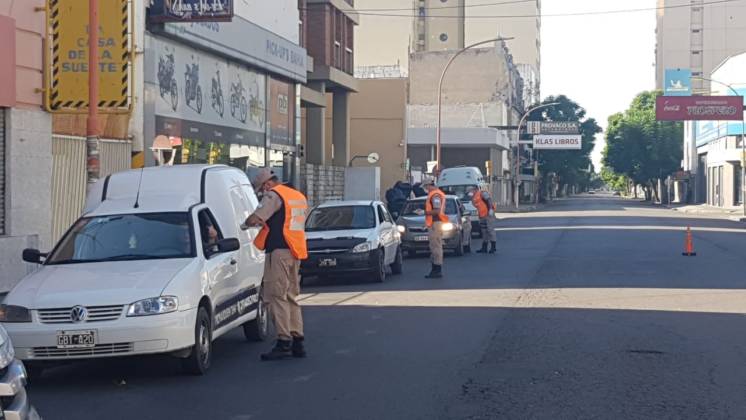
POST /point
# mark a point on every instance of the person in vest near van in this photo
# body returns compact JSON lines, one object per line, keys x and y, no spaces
{"x":435,"y":216}
{"x":282,"y":216}
{"x":485,"y":210}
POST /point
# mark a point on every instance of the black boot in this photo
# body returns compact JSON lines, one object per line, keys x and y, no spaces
{"x":484,"y":248}
{"x":298,"y":349}
{"x":435,"y":273}
{"x":493,"y":247}
{"x":280,"y":351}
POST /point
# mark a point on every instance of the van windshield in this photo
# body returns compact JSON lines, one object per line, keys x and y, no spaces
{"x":126,"y":237}
{"x":460,"y":191}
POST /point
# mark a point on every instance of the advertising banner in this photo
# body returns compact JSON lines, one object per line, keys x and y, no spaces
{"x":678,"y":82}
{"x":67,"y":86}
{"x":208,"y":95}
{"x":281,"y":113}
{"x":699,"y":108}
{"x":190,"y":10}
{"x":558,"y":142}
{"x":553,"y":127}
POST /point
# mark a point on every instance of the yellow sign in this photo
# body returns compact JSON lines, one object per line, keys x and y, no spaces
{"x":67,"y":88}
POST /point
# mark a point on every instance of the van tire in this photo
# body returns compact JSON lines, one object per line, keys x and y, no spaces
{"x":198,"y":361}
{"x":258,"y":328}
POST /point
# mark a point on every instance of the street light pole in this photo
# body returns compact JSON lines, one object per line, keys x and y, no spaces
{"x":516,"y":177}
{"x":743,"y":138}
{"x":440,"y":95}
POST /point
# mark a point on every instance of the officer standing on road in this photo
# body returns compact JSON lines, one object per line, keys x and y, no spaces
{"x":435,"y":216}
{"x":282,"y":216}
{"x":483,"y":202}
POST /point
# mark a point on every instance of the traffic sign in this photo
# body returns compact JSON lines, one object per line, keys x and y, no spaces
{"x":67,"y":84}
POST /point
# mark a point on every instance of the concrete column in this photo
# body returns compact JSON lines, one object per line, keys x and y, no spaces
{"x":315,"y":134}
{"x":341,"y":128}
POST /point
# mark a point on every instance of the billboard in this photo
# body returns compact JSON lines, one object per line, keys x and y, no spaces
{"x":678,"y":82}
{"x":699,"y":108}
{"x":190,"y":11}
{"x":553,"y":127}
{"x":558,"y":142}
{"x":67,"y":85}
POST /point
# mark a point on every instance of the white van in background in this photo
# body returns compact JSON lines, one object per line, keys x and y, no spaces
{"x":457,"y":181}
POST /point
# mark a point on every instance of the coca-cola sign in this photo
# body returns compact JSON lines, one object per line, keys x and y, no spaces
{"x":699,"y":108}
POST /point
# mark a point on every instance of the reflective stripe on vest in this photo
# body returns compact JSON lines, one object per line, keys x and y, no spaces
{"x":429,"y":207}
{"x":480,"y":204}
{"x":294,"y":229}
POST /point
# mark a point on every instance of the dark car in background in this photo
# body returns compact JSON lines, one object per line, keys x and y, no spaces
{"x":456,"y":233}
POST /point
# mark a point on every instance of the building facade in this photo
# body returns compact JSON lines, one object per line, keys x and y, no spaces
{"x":699,"y":37}
{"x":712,"y":149}
{"x":25,"y":139}
{"x":438,"y":25}
{"x":477,"y":108}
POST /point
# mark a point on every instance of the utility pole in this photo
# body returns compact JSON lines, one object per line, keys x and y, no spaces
{"x":517,"y":175}
{"x":93,"y":163}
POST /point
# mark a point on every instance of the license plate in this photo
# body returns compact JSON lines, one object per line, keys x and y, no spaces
{"x":76,"y":339}
{"x":423,"y":238}
{"x":328,"y":262}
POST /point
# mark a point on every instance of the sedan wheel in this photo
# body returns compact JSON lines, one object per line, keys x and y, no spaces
{"x":459,"y":250}
{"x":397,"y":266}
{"x":198,"y":361}
{"x":379,"y":272}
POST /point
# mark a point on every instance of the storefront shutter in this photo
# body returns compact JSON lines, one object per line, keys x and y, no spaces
{"x":2,"y":171}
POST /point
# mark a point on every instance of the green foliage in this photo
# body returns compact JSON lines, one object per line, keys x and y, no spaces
{"x":573,"y":167}
{"x":613,"y":180}
{"x":641,"y":148}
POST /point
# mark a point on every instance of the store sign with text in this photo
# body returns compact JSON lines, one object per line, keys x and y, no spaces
{"x":553,"y":127}
{"x":699,"y":108}
{"x":191,"y":11}
{"x":558,"y":142}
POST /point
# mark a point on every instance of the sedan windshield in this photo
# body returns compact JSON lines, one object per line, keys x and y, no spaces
{"x":460,"y":191}
{"x":126,"y":237}
{"x":417,"y":208}
{"x":341,"y":218}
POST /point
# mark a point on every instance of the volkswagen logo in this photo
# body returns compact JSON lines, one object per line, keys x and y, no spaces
{"x":78,"y":314}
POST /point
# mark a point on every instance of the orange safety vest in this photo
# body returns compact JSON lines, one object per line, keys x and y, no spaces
{"x":480,"y":204}
{"x":429,"y":207}
{"x":294,"y":229}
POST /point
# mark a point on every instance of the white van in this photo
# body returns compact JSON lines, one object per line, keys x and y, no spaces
{"x":457,"y":181}
{"x":156,"y":264}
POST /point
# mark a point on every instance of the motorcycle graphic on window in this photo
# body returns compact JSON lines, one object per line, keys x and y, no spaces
{"x":167,"y":79}
{"x":256,"y":105}
{"x":239,"y":106}
{"x":218,"y":103}
{"x":192,"y":89}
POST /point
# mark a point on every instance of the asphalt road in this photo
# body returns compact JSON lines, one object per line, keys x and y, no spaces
{"x":589,"y":311}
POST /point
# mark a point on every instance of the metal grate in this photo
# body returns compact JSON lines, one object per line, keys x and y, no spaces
{"x":417,"y":229}
{"x":98,"y":350}
{"x":95,"y":314}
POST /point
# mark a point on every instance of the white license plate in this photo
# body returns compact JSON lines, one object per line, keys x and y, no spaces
{"x":76,"y":339}
{"x":423,"y":238}
{"x":328,"y":262}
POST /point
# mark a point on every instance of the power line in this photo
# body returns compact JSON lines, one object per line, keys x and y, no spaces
{"x":574,"y":14}
{"x":409,"y":9}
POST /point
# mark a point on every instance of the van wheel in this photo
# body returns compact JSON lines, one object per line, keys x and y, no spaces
{"x":397,"y":266}
{"x":199,"y":360}
{"x":258,"y":328}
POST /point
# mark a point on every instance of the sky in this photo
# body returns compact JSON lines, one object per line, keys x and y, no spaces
{"x":601,"y":62}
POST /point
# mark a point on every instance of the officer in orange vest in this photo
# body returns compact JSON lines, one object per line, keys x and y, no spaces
{"x":282,"y":217}
{"x":435,"y":216}
{"x":482,"y":201}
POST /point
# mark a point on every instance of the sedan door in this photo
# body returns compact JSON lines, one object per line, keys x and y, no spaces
{"x":387,"y":233}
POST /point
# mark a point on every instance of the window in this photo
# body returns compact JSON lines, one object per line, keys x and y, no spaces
{"x":381,"y":216}
{"x":126,"y":237}
{"x":209,"y":232}
{"x":341,"y":218}
{"x":386,"y":215}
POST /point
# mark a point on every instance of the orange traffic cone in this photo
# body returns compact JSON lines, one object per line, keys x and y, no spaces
{"x":689,"y":245}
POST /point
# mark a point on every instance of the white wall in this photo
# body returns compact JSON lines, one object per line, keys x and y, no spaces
{"x":278,"y":16}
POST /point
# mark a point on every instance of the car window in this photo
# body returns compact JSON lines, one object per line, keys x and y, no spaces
{"x":416,"y":207}
{"x":381,"y":216}
{"x":460,"y":191}
{"x":386,"y":214}
{"x":341,"y":218}
{"x":209,"y":230}
{"x":126,"y":237}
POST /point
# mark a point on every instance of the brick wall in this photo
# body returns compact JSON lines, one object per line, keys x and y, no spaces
{"x":322,"y":183}
{"x":324,"y":25}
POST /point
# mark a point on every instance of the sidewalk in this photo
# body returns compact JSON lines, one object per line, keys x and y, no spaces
{"x":731,"y":213}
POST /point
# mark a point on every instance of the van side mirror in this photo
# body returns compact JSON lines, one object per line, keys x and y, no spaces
{"x":33,"y":256}
{"x":229,"y":245}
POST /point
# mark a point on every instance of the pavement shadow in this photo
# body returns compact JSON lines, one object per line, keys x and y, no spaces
{"x":425,"y":362}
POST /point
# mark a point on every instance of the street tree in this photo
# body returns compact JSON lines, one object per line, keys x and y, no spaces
{"x":641,"y":148}
{"x":568,"y":167}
